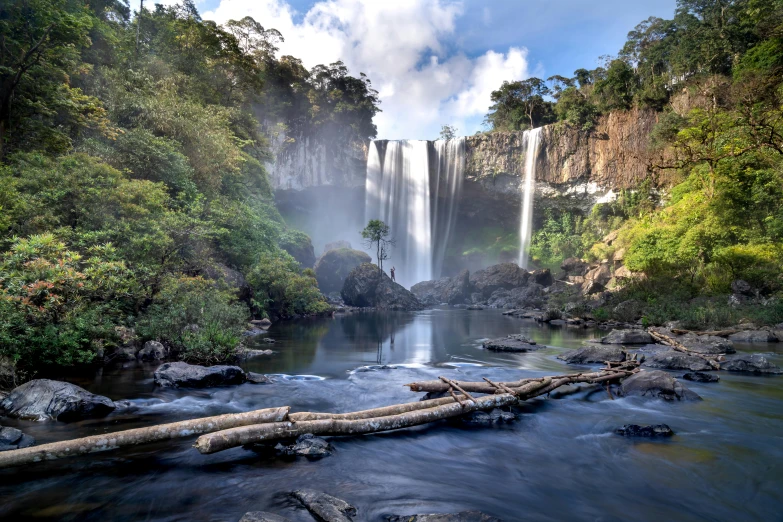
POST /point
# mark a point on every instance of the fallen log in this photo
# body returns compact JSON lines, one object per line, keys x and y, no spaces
{"x":136,"y":436}
{"x":712,"y":360}
{"x":717,"y":333}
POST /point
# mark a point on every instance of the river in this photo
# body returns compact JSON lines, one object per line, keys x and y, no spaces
{"x":558,"y":461}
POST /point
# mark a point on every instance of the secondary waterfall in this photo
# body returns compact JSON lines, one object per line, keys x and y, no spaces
{"x":531,"y":139}
{"x":415,"y":190}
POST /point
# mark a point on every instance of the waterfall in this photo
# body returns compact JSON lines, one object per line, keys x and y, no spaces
{"x":417,"y":200}
{"x":531,"y":139}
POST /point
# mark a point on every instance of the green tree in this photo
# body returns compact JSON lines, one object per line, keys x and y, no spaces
{"x":377,"y":235}
{"x":448,"y":132}
{"x":519,"y":105}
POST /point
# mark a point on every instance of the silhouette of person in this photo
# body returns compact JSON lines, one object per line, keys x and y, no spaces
{"x":392,"y":274}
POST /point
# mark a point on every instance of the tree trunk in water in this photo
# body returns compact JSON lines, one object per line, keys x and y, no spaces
{"x":121,"y":439}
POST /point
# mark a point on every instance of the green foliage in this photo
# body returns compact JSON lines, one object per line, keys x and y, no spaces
{"x":57,"y":306}
{"x":376,"y":235}
{"x":448,"y":132}
{"x":520,"y":105}
{"x":200,"y":321}
{"x":559,"y":238}
{"x":282,"y":289}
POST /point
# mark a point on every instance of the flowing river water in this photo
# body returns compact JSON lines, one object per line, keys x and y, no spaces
{"x":558,"y":461}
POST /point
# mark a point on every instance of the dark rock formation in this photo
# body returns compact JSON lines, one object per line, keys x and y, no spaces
{"x":503,"y":276}
{"x":42,"y":399}
{"x":183,"y":375}
{"x":366,"y":286}
{"x":430,"y":293}
{"x":262,"y":516}
{"x":753,"y":336}
{"x":530,"y":296}
{"x":483,"y":418}
{"x":627,"y":337}
{"x":704,"y":344}
{"x":325,"y":507}
{"x":463,"y":516}
{"x":701,"y":377}
{"x":673,"y":360}
{"x":152,"y":351}
{"x":257,"y":378}
{"x":750,"y":363}
{"x":12,"y":438}
{"x":512,"y":343}
{"x":542,"y":277}
{"x":335,"y":265}
{"x":594,"y":355}
{"x":657,"y":384}
{"x":307,"y":445}
{"x":655,"y":430}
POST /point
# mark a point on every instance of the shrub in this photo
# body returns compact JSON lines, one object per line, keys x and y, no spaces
{"x":197,"y":319}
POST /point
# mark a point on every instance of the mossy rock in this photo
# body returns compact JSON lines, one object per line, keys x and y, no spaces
{"x":335,"y":265}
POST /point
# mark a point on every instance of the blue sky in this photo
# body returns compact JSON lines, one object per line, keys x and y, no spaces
{"x":437,"y":61}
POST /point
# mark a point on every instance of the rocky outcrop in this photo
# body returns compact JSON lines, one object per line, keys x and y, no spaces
{"x":704,"y":344}
{"x":325,"y":507}
{"x":448,"y":290}
{"x":262,"y":516}
{"x":701,"y":377}
{"x":753,"y":336}
{"x":594,"y":355}
{"x":672,"y":360}
{"x":656,"y":384}
{"x":42,"y":399}
{"x":750,"y":363}
{"x":655,"y":430}
{"x":463,"y":516}
{"x":627,"y":337}
{"x":503,"y":276}
{"x":300,"y":246}
{"x":512,"y":343}
{"x":183,"y":375}
{"x":367,"y":286}
{"x":335,"y":265}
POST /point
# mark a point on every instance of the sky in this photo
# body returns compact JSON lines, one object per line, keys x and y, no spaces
{"x":436,"y":62}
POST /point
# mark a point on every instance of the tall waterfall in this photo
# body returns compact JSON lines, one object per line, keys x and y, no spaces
{"x":415,"y":190}
{"x":531,"y":138}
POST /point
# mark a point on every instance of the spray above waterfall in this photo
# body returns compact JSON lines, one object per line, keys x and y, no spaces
{"x":531,"y":144}
{"x":414,"y":187}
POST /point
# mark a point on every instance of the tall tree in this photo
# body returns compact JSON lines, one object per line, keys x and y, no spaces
{"x":519,"y":105}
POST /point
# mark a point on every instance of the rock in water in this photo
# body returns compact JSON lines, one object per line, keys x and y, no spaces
{"x":152,"y":351}
{"x":512,"y":343}
{"x":335,"y":265}
{"x":367,"y":286}
{"x":257,"y":378}
{"x":627,"y":337}
{"x":594,"y":355}
{"x":704,"y":344}
{"x":750,"y":363}
{"x":634,"y":430}
{"x":42,"y":399}
{"x":754,"y":336}
{"x":701,"y":377}
{"x":307,"y":445}
{"x":672,"y":360}
{"x":180,"y":374}
{"x":482,"y":418}
{"x":503,"y":276}
{"x":12,"y":438}
{"x":325,"y":507}
{"x":262,"y":516}
{"x":657,"y":384}
{"x":464,"y":516}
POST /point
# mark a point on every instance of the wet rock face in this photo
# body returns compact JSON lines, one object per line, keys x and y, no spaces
{"x":262,"y":516}
{"x":325,"y":507}
{"x":464,"y":516}
{"x":701,"y":377}
{"x":512,"y":343}
{"x":183,"y":375}
{"x":12,"y":438}
{"x":449,"y":290}
{"x":651,"y":431}
{"x":43,"y":399}
{"x":750,"y":363}
{"x":594,"y":355}
{"x":335,"y":265}
{"x":672,"y":360}
{"x":503,"y":276}
{"x":656,"y":384}
{"x":366,"y":286}
{"x":627,"y":337}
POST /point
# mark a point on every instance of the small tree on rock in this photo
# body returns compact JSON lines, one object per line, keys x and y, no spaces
{"x":376,"y":235}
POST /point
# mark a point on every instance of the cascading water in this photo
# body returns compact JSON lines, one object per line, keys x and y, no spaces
{"x":531,"y":138}
{"x":420,"y":211}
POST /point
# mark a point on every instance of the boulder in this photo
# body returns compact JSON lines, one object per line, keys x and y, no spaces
{"x":701,"y":377}
{"x":574,"y":267}
{"x":261,"y":323}
{"x":627,"y":337}
{"x":592,"y":287}
{"x":367,"y":286}
{"x":753,"y":336}
{"x":335,"y":265}
{"x":325,"y":507}
{"x":257,"y":378}
{"x":542,"y":277}
{"x":336,"y":245}
{"x":483,"y":418}
{"x":300,"y":246}
{"x":523,"y":297}
{"x":672,"y":360}
{"x":496,"y":277}
{"x":704,"y":344}
{"x":463,"y":516}
{"x":594,"y":355}
{"x":738,"y":286}
{"x":183,"y":375}
{"x":512,"y":343}
{"x":42,"y":399}
{"x":307,"y":445}
{"x":655,"y":430}
{"x":152,"y":351}
{"x":262,"y":516}
{"x":601,"y":274}
{"x":458,"y":289}
{"x":430,"y":293}
{"x":657,"y":384}
{"x":12,"y":438}
{"x":750,"y":363}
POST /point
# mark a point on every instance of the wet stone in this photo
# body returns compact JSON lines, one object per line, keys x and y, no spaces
{"x":635,"y":430}
{"x":656,"y":384}
{"x":673,"y":360}
{"x":325,"y":507}
{"x":701,"y":377}
{"x":596,"y":354}
{"x":40,"y":399}
{"x":750,"y":363}
{"x":483,"y":418}
{"x":307,"y":445}
{"x":257,"y":378}
{"x":512,"y":343}
{"x":627,"y":337}
{"x":262,"y":516}
{"x":464,"y":516}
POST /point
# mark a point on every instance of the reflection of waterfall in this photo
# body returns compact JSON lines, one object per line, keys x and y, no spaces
{"x":419,"y":211}
{"x":531,"y":138}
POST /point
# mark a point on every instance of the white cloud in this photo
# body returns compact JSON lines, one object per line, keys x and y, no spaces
{"x":403,"y":46}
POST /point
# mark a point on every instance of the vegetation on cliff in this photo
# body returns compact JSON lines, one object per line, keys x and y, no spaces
{"x":131,"y":173}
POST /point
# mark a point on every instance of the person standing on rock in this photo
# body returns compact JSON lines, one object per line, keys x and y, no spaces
{"x":392,"y":274}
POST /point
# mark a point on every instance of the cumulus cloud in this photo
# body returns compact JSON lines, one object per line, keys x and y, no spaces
{"x":406,"y":47}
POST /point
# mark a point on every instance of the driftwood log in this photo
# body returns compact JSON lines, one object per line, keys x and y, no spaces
{"x":121,"y":439}
{"x":712,"y":360}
